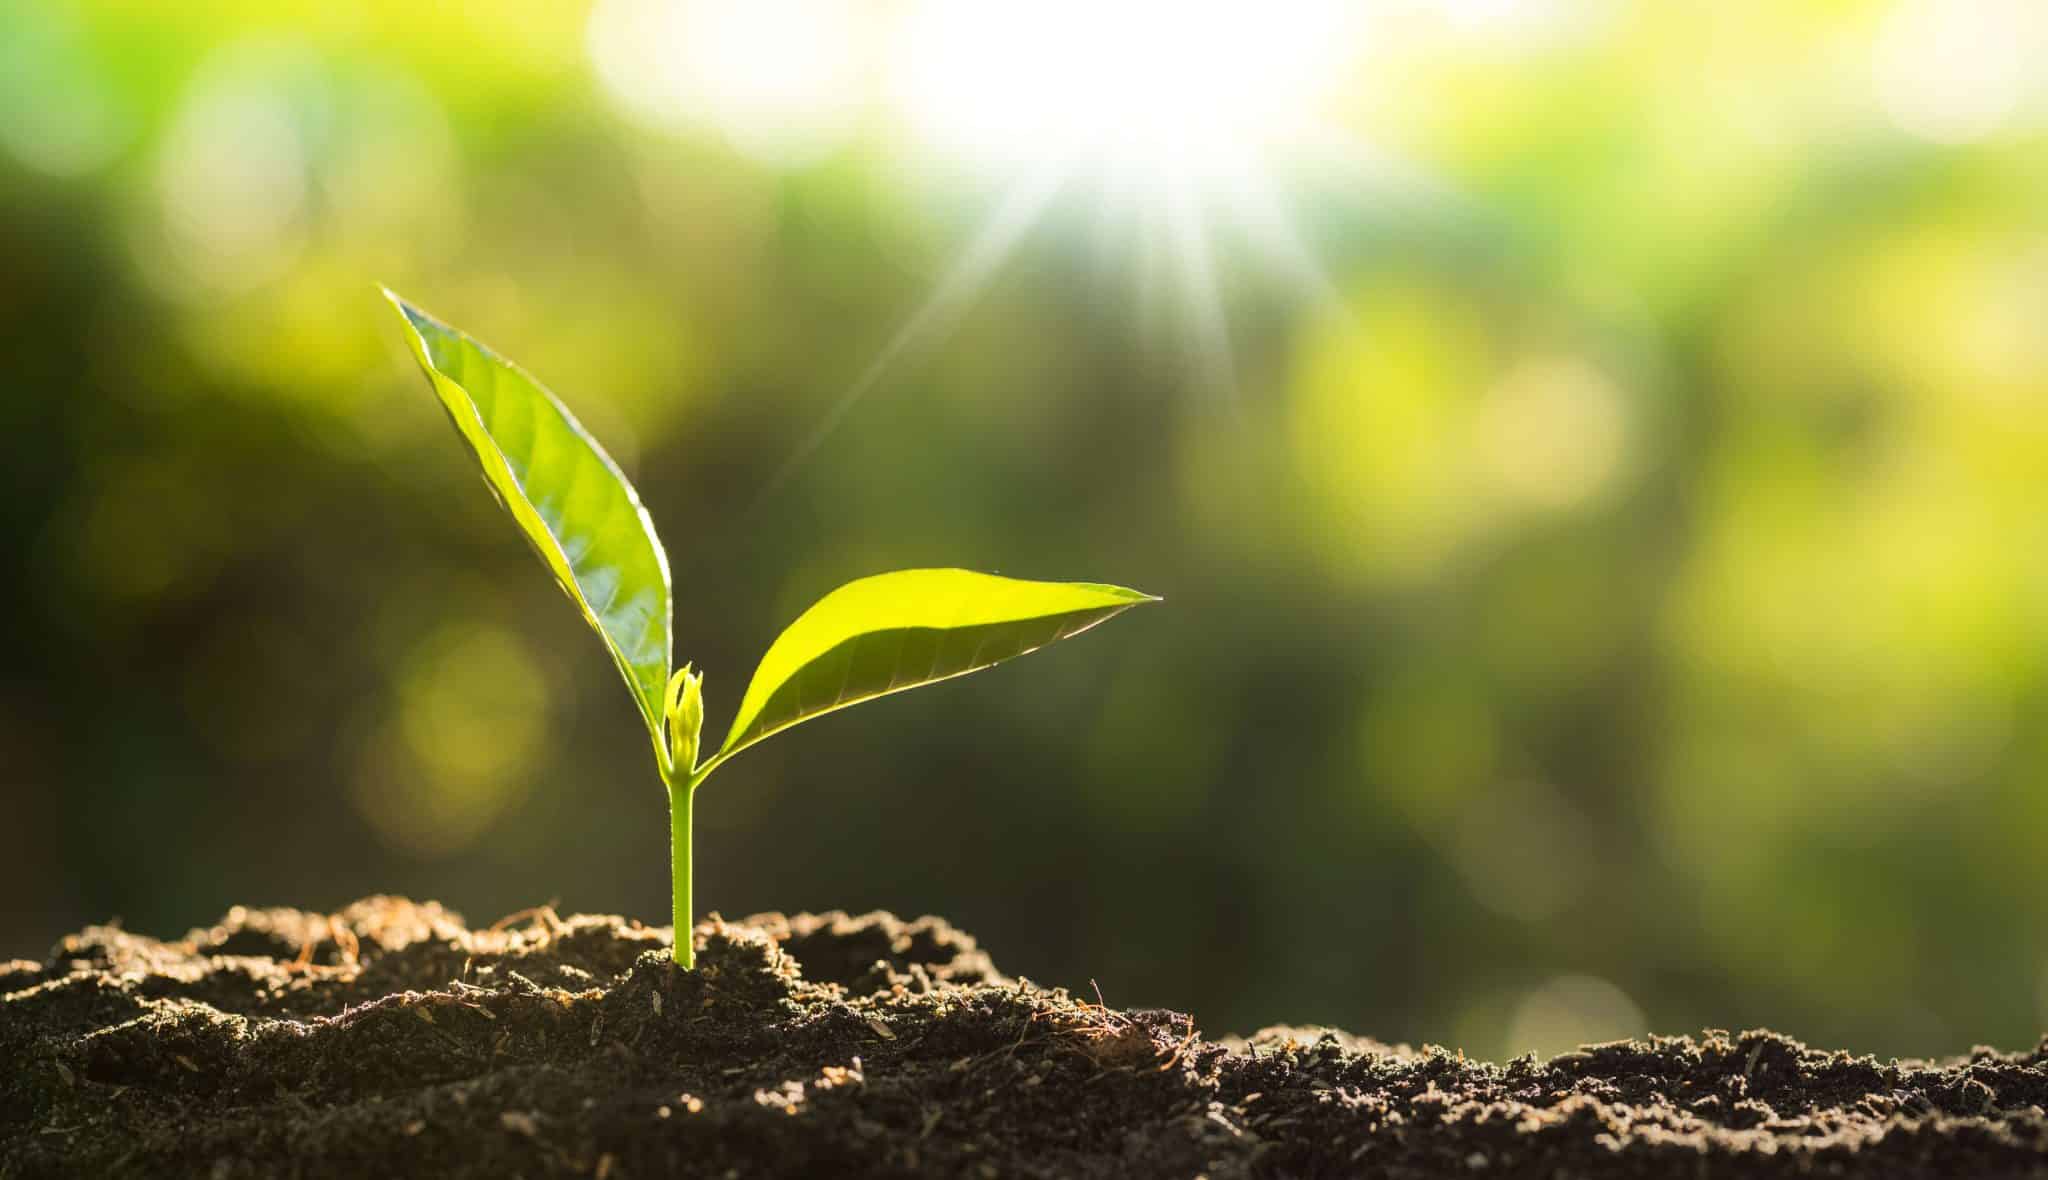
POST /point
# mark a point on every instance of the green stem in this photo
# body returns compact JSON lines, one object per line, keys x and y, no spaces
{"x":681,"y":800}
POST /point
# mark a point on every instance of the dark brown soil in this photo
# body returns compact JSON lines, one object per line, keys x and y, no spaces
{"x":390,"y":1040}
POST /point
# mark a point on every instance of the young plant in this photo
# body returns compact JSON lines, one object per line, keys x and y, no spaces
{"x":869,"y":638}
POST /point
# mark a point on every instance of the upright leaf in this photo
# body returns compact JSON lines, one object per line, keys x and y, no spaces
{"x":895,"y":631}
{"x":570,"y":500}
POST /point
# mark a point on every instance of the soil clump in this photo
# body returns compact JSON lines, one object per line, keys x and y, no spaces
{"x":391,"y":1040}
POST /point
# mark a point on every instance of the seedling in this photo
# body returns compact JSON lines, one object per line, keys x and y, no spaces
{"x":869,"y":638}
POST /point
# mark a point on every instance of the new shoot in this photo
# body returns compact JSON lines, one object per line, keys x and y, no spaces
{"x":869,"y":638}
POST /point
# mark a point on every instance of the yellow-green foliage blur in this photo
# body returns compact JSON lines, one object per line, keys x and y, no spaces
{"x":1595,"y":456}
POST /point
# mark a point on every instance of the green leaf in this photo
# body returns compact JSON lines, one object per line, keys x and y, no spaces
{"x":895,"y":631}
{"x":567,"y":496}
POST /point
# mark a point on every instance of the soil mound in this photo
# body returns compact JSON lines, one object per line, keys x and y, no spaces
{"x":391,"y":1040}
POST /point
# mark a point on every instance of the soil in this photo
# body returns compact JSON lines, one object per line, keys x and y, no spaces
{"x":391,"y":1040}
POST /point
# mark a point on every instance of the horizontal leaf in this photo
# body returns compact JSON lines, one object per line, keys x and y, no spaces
{"x":895,"y":631}
{"x":569,"y":499}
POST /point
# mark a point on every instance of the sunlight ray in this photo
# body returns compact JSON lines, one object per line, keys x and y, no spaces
{"x":1208,"y":327}
{"x":1147,"y":271}
{"x":1019,"y":210}
{"x":1257,"y":208}
{"x":1394,"y":184}
{"x":1116,"y":220}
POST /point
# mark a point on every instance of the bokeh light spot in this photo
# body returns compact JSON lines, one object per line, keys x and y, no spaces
{"x":1572,"y":1010}
{"x":1524,"y":850}
{"x":57,"y":113}
{"x":780,"y":78}
{"x":1378,"y":428}
{"x":1552,"y":433}
{"x":233,"y":174}
{"x":1957,"y":70}
{"x":473,"y":704}
{"x":472,"y":719}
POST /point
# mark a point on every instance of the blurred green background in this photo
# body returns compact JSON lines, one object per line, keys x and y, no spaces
{"x":1594,"y":456}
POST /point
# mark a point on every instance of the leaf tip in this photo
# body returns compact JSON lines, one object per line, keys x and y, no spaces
{"x":1130,"y":596}
{"x":415,"y":318}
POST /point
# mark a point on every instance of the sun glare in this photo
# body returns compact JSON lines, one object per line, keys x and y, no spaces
{"x":1143,"y":84}
{"x":1165,"y":115}
{"x":1170,"y":113}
